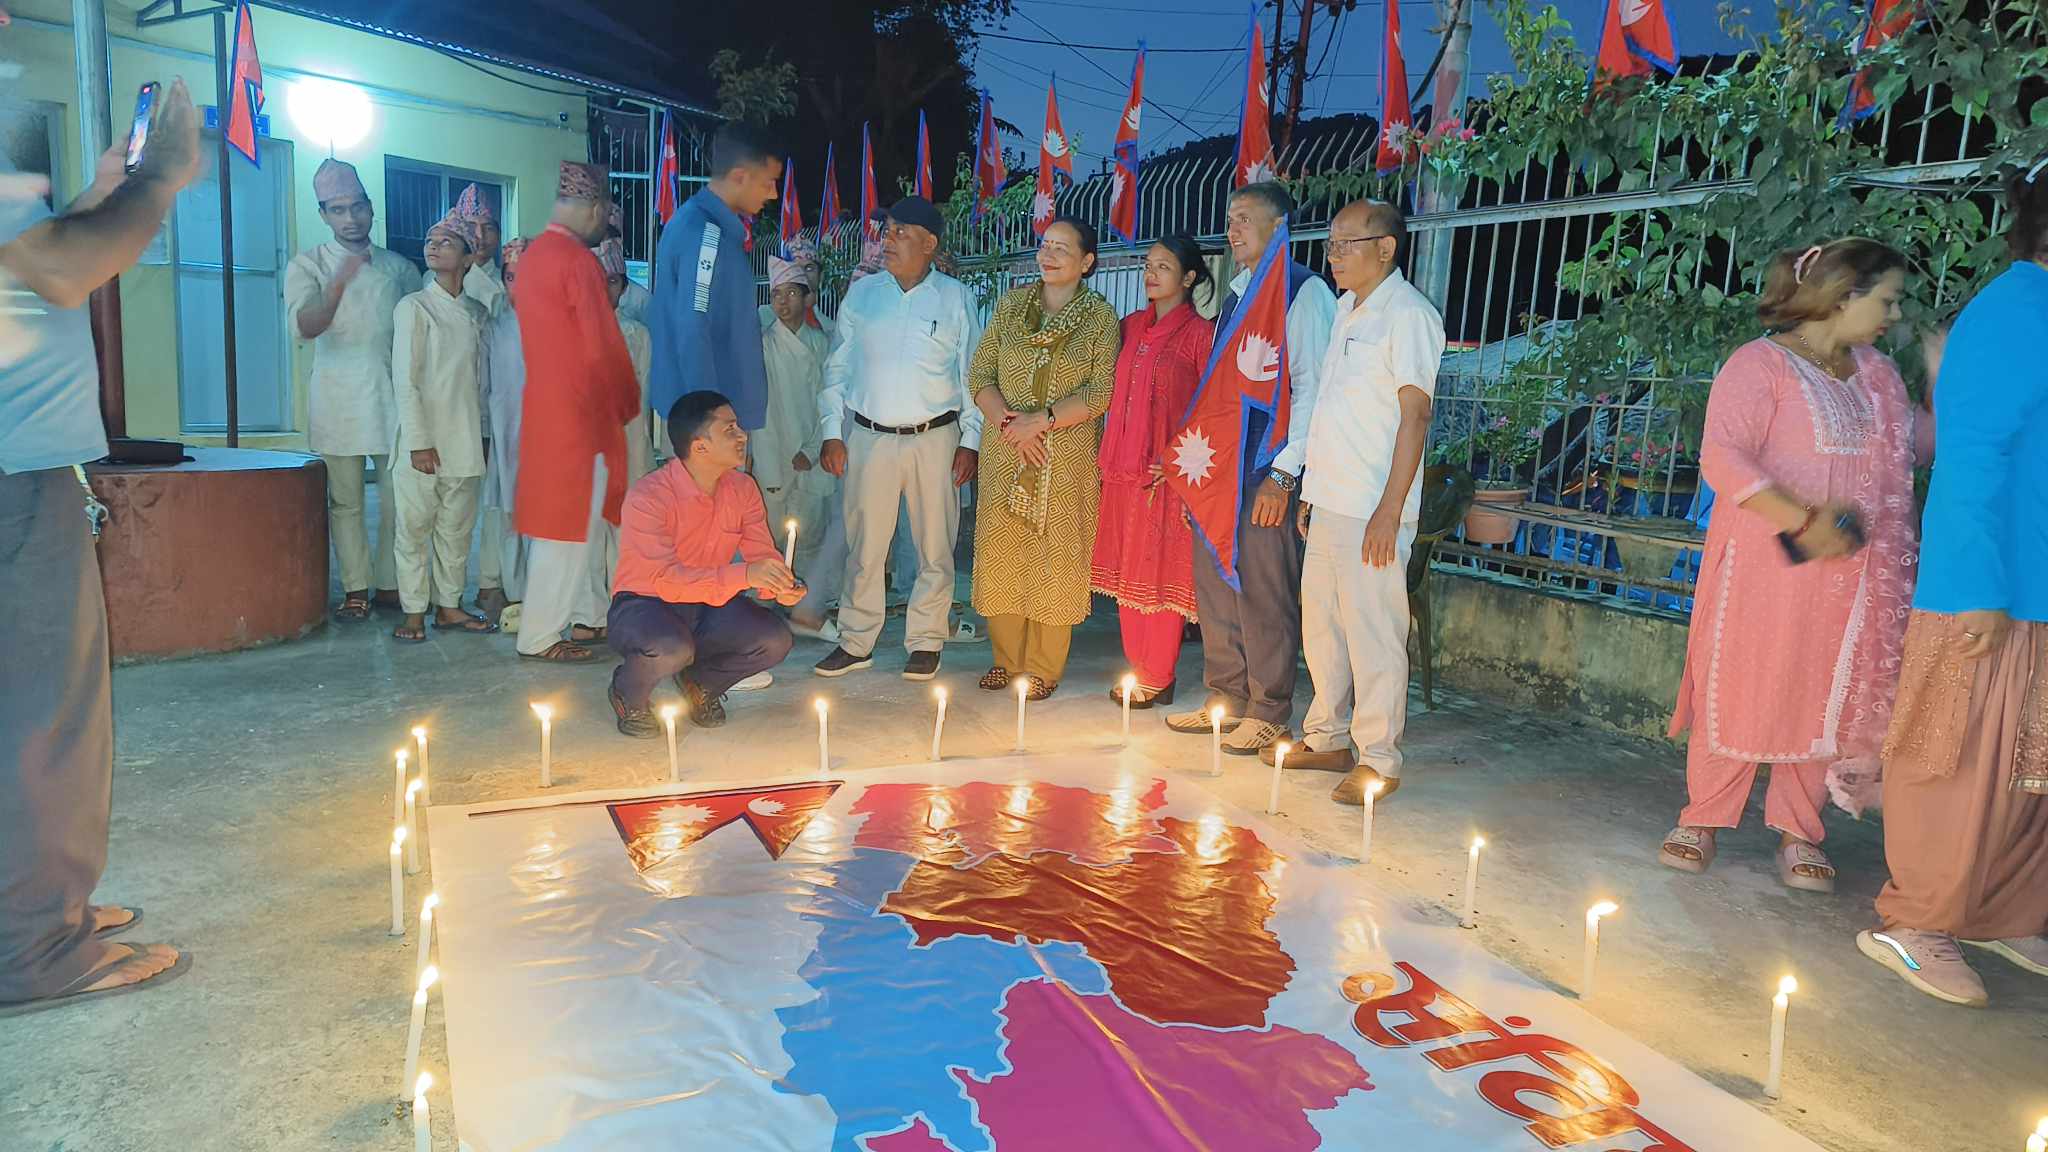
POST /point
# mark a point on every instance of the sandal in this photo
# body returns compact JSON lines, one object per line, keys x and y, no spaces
{"x":1688,"y":849}
{"x":109,"y":931}
{"x":409,"y":635}
{"x":178,"y":968}
{"x":468,"y":623}
{"x":1039,"y":689}
{"x":1142,"y":697}
{"x":354,"y":608}
{"x":1820,"y":874}
{"x":583,"y":634}
{"x":562,"y":652}
{"x":995,"y":680}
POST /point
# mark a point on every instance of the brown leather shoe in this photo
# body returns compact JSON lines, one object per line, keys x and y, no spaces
{"x":1351,"y":789}
{"x":1308,"y":760}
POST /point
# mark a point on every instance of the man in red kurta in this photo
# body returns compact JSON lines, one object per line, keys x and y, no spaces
{"x":580,"y":392}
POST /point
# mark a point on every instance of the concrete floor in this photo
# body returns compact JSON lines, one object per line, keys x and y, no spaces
{"x":251,"y":810}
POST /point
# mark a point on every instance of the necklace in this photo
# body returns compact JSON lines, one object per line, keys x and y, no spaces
{"x":1812,"y":357}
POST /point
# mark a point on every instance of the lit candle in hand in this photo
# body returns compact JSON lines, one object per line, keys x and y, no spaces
{"x":789,"y":544}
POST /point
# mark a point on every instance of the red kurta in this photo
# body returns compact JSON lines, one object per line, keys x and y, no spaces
{"x":580,"y":389}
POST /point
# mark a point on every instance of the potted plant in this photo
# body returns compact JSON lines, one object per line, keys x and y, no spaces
{"x":1508,"y":435}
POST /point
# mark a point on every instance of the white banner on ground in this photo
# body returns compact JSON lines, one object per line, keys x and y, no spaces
{"x":1028,"y":954}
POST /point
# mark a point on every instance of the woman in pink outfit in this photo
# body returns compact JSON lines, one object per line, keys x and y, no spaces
{"x":1144,"y":546}
{"x":1807,"y":580}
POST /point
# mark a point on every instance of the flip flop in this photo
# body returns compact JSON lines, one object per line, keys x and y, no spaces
{"x":134,"y":918}
{"x":403,"y":635}
{"x":562,"y":652}
{"x":475,"y":625}
{"x":1700,"y":840}
{"x":29,"y":1007}
{"x":1792,"y":856}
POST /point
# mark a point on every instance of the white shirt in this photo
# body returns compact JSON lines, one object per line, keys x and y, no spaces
{"x":483,"y":283}
{"x":437,"y":377}
{"x":1392,"y":340}
{"x":796,"y":374}
{"x":634,"y":304}
{"x":349,"y":409}
{"x":902,"y":357}
{"x":1309,"y":316}
{"x":639,"y":440}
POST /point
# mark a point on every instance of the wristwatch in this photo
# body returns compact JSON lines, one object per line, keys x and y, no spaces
{"x":1286,"y":480}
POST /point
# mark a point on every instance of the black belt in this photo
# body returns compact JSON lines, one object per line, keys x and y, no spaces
{"x":939,"y":421}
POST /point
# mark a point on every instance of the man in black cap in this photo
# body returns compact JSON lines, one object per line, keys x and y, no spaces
{"x":898,"y":377}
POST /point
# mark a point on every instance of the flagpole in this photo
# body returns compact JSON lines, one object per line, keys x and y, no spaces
{"x":223,"y":100}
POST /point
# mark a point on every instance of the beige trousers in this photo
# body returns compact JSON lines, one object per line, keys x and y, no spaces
{"x":883,"y":471}
{"x":345,"y":523}
{"x":436,"y":518}
{"x":1354,"y":631}
{"x":569,"y":582}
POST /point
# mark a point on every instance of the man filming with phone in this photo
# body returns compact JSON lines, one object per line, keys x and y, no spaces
{"x":56,"y":720}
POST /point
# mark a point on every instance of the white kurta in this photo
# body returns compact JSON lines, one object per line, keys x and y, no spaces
{"x":796,"y":374}
{"x":483,"y":283}
{"x":639,"y":434}
{"x":349,"y":403}
{"x":437,"y":360}
{"x":504,"y":389}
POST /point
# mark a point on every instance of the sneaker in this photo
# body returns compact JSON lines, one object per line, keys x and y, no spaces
{"x":1251,"y":737}
{"x":706,"y":710}
{"x":1351,"y":789}
{"x":921,"y":666}
{"x":639,"y":723}
{"x":1929,"y":961}
{"x":1308,"y":759}
{"x":1196,"y":721}
{"x":838,"y":662}
{"x":755,"y":683}
{"x":2029,"y":952}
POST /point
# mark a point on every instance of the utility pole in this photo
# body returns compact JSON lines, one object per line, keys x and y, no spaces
{"x":1295,"y":81}
{"x":1273,"y":55}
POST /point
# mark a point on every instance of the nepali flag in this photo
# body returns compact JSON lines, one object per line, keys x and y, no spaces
{"x":989,"y":169}
{"x":924,"y":158}
{"x":667,"y":173}
{"x":1883,"y":20}
{"x":1123,"y":182}
{"x":1255,"y":118}
{"x":1397,"y":122}
{"x":1247,"y":372}
{"x":1635,"y":38}
{"x":869,"y":202}
{"x":828,"y":202}
{"x":792,"y":213}
{"x":1053,"y":156}
{"x":245,"y":83}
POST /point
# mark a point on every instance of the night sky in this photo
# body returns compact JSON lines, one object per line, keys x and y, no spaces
{"x":1203,"y":91}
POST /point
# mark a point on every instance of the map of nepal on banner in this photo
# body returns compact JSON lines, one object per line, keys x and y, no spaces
{"x":1247,"y":373}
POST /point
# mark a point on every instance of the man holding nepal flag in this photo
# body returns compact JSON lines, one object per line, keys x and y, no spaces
{"x":1237,"y":463}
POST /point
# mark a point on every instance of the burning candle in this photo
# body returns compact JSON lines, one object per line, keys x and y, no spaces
{"x":418,"y":1024}
{"x":824,"y":752}
{"x":1471,"y":917}
{"x":1216,"y":740}
{"x":547,"y":744}
{"x":1023,"y":689}
{"x":789,"y":544}
{"x":398,"y":881}
{"x":1130,"y":685}
{"x":419,"y":735}
{"x":427,"y":907}
{"x":2038,"y":1142}
{"x":1773,"y":1079}
{"x":398,"y":786}
{"x":1372,"y":795}
{"x":422,"y":1124}
{"x":1593,"y":915}
{"x":675,"y":767}
{"x":1273,"y":791}
{"x":412,"y":828}
{"x":938,"y":725}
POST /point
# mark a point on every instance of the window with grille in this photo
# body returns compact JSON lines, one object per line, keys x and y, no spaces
{"x":417,"y":194}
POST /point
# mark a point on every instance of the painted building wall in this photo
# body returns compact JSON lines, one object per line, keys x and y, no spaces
{"x":425,"y":106}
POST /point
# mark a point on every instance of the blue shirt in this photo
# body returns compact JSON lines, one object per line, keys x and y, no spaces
{"x":49,"y":379}
{"x":1985,"y":535}
{"x":707,"y":333}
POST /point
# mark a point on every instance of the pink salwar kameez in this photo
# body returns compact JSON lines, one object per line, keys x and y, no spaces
{"x":1144,"y":547}
{"x":1795,"y":665}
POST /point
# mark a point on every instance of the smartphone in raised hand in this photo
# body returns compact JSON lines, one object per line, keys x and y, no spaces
{"x":138,"y":132}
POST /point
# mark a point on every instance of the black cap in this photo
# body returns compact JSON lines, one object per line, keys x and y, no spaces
{"x":918,"y":211}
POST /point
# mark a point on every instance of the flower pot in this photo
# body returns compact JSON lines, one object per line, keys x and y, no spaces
{"x":1485,"y":526}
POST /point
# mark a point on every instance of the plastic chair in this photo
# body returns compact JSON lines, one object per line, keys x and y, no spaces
{"x":1446,"y":495}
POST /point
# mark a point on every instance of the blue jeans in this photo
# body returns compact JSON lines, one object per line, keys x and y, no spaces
{"x":720,"y":645}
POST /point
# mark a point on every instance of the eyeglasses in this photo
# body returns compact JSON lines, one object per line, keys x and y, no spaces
{"x":1337,"y":247}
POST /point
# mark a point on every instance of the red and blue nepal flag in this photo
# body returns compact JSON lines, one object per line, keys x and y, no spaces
{"x":1635,"y":38}
{"x":245,"y":85}
{"x":1123,"y":182}
{"x":1247,"y":373}
{"x":1883,"y":20}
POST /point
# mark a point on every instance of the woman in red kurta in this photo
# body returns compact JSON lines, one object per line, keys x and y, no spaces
{"x":1144,"y":547}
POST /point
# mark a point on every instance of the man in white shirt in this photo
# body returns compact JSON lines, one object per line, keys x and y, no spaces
{"x":786,"y":451}
{"x":1361,"y":504}
{"x":899,"y":377}
{"x":340,"y":295}
{"x":437,"y":457}
{"x":1251,"y":635}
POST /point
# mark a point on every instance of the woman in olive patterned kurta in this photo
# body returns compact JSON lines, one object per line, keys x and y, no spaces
{"x":1042,"y":377}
